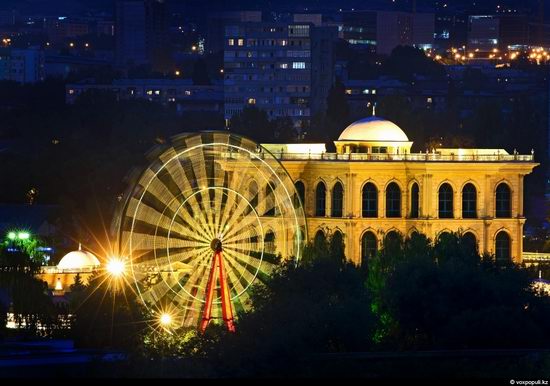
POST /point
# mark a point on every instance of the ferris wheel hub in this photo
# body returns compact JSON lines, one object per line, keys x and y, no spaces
{"x":216,"y":245}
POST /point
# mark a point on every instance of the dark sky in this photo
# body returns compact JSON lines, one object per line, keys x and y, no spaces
{"x":55,"y":7}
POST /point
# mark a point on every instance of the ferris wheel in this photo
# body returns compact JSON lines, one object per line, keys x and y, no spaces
{"x":212,"y":214}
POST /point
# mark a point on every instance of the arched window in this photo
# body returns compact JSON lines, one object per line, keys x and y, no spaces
{"x":502,"y":247}
{"x":270,"y":199}
{"x":320,"y":238}
{"x":369,"y":247}
{"x":392,"y":236}
{"x":503,"y":201}
{"x":469,"y":201}
{"x":269,"y":242}
{"x":370,"y":200}
{"x":300,"y":194}
{"x":470,"y":240}
{"x":415,"y":200}
{"x":320,"y":200}
{"x":337,"y":200}
{"x":445,"y":201}
{"x":393,"y":200}
{"x":337,"y":241}
{"x":443,"y":236}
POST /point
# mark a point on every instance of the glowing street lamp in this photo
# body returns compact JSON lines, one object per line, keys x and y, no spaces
{"x":165,"y":319}
{"x":23,"y":235}
{"x":116,"y":267}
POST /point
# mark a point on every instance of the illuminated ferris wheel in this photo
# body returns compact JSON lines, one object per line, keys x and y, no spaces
{"x":211,"y":215}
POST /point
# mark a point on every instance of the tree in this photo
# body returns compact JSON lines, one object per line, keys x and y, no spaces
{"x":405,"y":62}
{"x":447,"y":296}
{"x":107,"y":316}
{"x":252,"y":122}
{"x":283,"y":129}
{"x":317,"y":306}
{"x":28,"y":295}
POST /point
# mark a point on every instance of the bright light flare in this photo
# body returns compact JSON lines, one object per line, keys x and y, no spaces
{"x":165,"y":319}
{"x":116,"y":267}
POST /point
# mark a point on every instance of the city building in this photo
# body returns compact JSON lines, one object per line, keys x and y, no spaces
{"x":215,"y":35}
{"x":451,"y":30}
{"x":142,"y":34}
{"x":284,"y":68}
{"x":382,"y":31}
{"x":506,"y":32}
{"x":60,"y":277}
{"x":130,"y":32}
{"x":373,"y":187}
{"x":22,"y":65}
{"x":180,"y":92}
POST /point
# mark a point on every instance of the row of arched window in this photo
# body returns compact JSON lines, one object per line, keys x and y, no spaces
{"x":393,"y":196}
{"x":369,"y":244}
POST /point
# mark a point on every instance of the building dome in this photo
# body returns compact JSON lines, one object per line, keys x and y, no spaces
{"x":373,"y":129}
{"x":78,"y":260}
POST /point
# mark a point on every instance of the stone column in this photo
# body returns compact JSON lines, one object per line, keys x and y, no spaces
{"x":520,"y":195}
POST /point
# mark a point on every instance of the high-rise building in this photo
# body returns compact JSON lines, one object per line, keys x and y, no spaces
{"x":157,"y":38}
{"x":130,"y":32}
{"x":282,"y":68}
{"x":142,"y":37}
{"x":382,"y":31}
{"x":451,"y":30}
{"x":217,"y":21}
{"x":404,"y":29}
{"x":483,"y":32}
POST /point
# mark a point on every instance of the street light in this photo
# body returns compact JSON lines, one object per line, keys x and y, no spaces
{"x":23,"y":235}
{"x":165,"y":319}
{"x":116,"y":267}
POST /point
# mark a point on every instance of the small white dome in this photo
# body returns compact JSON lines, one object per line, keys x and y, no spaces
{"x":373,"y":129}
{"x":78,"y":260}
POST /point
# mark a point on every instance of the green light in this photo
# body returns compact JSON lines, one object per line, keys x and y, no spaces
{"x":11,"y":235}
{"x":23,"y":235}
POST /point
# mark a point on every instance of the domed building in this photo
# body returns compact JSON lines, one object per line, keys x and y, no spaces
{"x":373,"y":187}
{"x":62,"y":276}
{"x":78,"y":260}
{"x":373,"y":135}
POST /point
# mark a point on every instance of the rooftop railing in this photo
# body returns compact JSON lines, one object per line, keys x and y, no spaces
{"x":420,"y":157}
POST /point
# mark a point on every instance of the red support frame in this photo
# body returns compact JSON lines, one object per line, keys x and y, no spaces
{"x":227,"y":309}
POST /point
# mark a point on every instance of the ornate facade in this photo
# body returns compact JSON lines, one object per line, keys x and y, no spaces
{"x":373,"y":186}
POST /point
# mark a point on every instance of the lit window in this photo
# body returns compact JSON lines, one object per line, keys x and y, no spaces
{"x":157,"y":92}
{"x":187,"y":92}
{"x":283,"y":65}
{"x":71,"y":91}
{"x":298,"y":65}
{"x":240,"y":42}
{"x":251,"y":101}
{"x":366,"y":91}
{"x":373,"y":92}
{"x":429,"y":100}
{"x":149,"y":92}
{"x":231,"y":42}
{"x":349,"y":91}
